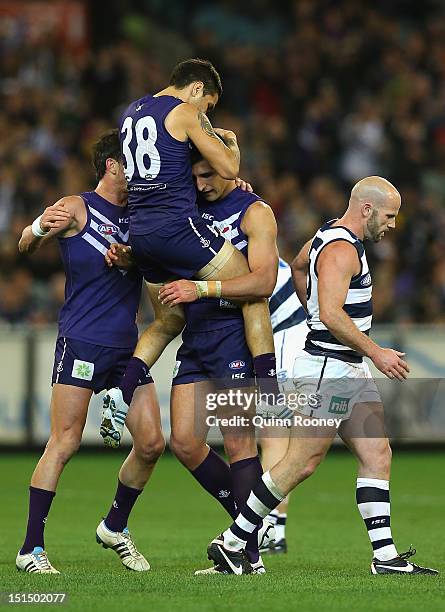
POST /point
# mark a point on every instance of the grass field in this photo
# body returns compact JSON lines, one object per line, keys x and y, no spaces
{"x":327,"y":567}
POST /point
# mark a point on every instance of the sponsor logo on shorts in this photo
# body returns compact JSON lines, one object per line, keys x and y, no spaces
{"x":83,"y":370}
{"x":204,"y":242}
{"x":223,"y":494}
{"x":108,"y":229}
{"x":176,"y":369}
{"x":339,"y":405}
{"x":366,"y":281}
{"x":237,"y":364}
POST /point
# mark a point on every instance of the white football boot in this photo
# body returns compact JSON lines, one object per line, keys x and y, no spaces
{"x":35,"y":562}
{"x":122,"y":544}
{"x":266,"y":535}
{"x":114,"y":413}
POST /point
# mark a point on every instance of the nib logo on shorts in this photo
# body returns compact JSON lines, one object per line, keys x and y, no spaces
{"x":83,"y":370}
{"x":339,"y":405}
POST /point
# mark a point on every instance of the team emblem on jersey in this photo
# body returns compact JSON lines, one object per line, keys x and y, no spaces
{"x":83,"y":370}
{"x":366,"y":280}
{"x":108,"y":229}
{"x":237,"y":364}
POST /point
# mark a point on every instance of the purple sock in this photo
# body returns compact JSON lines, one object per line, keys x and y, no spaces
{"x":214,"y":475}
{"x":137,"y":371}
{"x":245,"y":475}
{"x":266,"y":373}
{"x":39,"y":504}
{"x":124,"y":500}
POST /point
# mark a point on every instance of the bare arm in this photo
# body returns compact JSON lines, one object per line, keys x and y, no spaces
{"x":66,"y":217}
{"x":260,"y":226}
{"x":336,"y":265}
{"x":225,"y":159}
{"x":299,"y":267}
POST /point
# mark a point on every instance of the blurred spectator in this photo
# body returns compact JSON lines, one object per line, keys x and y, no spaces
{"x":319,"y":93}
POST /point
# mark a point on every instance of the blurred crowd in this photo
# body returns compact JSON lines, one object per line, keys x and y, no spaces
{"x":319,"y":93}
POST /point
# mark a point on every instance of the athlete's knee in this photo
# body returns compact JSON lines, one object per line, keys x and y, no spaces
{"x":187,"y":450}
{"x":64,"y":445}
{"x":240,"y":447}
{"x":149,"y":450}
{"x":309,"y":466}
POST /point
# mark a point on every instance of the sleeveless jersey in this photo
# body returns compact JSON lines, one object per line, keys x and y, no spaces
{"x":100,"y":302}
{"x":284,"y":305}
{"x":157,"y":166}
{"x":358,"y":303}
{"x":208,"y":314}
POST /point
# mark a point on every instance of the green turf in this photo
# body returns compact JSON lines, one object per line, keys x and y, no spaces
{"x":327,"y":567}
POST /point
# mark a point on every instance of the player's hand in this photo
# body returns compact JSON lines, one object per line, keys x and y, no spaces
{"x":390,"y":363}
{"x":243,"y":185}
{"x":56,"y":216}
{"x":178,"y":292}
{"x":225,"y":134}
{"x":119,"y":255}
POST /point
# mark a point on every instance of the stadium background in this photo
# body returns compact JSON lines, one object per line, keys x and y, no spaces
{"x":320,"y":94}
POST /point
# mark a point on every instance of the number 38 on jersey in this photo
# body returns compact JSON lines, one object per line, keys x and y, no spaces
{"x":139,"y":148}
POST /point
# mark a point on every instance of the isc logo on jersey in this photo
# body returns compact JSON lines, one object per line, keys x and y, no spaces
{"x":108,"y":230}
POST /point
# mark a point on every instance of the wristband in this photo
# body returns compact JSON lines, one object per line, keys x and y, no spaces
{"x":36,"y":228}
{"x":208,"y":289}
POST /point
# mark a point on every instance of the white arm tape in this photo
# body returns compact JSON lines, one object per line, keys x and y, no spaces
{"x":36,"y":228}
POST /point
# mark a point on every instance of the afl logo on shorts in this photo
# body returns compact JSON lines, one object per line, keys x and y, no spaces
{"x":237,"y":365}
{"x":108,"y":230}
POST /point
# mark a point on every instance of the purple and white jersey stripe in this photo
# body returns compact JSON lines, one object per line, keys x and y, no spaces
{"x":100,"y":302}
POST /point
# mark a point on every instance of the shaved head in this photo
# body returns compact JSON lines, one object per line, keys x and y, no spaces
{"x":373,"y":207}
{"x":375,"y":190}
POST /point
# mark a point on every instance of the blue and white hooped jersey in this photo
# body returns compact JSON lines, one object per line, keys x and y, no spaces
{"x":358,"y":303}
{"x":100,"y":302}
{"x":284,"y":305}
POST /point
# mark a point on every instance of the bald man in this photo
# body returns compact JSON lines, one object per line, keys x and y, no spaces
{"x":334,"y":386}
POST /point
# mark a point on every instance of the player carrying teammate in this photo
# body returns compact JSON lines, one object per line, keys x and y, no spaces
{"x":339,"y":288}
{"x":214,"y":345}
{"x":168,"y":236}
{"x":97,"y":335}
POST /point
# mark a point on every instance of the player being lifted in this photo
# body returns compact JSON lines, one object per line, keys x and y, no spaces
{"x":339,"y":306}
{"x":97,"y":335}
{"x":168,"y":236}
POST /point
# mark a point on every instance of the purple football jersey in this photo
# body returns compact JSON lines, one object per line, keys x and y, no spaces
{"x":226,"y":216}
{"x":100,"y":302}
{"x":157,"y":166}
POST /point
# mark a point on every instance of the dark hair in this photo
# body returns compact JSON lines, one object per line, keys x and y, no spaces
{"x":108,"y":146}
{"x":192,"y":70}
{"x":196,"y":155}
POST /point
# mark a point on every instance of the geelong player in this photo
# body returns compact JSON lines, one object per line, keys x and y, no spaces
{"x":97,"y":335}
{"x":169,"y":238}
{"x":339,"y":306}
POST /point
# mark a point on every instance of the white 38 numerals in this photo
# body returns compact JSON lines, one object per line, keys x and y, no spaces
{"x":146,"y":136}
